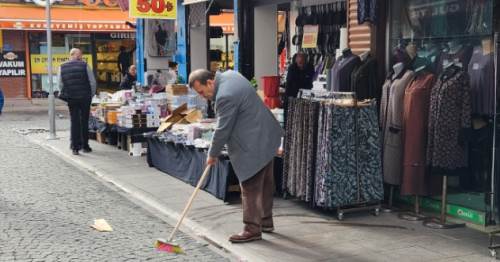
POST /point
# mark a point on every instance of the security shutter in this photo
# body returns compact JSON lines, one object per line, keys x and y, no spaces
{"x":360,"y":36}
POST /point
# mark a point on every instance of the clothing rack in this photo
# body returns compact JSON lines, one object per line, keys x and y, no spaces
{"x":356,"y":203}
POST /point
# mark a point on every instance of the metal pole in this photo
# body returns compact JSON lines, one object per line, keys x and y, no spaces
{"x":52,"y":117}
{"x":444,"y":200}
{"x":493,"y":154}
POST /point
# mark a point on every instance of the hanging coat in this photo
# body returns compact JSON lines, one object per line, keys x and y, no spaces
{"x":393,"y":128}
{"x":449,"y":120}
{"x":415,"y":180}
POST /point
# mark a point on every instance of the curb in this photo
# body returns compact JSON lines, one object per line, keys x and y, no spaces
{"x":241,"y":254}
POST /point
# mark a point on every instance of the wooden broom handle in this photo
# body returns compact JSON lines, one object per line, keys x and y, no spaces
{"x":190,"y":202}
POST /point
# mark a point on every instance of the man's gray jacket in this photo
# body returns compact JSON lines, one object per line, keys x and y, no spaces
{"x":245,"y":124}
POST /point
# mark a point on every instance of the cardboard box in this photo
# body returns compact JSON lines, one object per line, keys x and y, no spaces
{"x":177,"y":90}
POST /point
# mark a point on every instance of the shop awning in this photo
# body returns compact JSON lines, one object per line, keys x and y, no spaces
{"x":190,"y":2}
{"x":64,"y":19}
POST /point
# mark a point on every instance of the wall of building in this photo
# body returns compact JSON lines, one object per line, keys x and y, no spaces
{"x":265,"y":41}
{"x":13,"y":87}
{"x":197,"y":24}
{"x":360,"y":36}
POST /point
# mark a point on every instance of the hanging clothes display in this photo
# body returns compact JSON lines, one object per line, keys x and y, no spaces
{"x":367,"y":11}
{"x":416,"y":180}
{"x":342,"y":70}
{"x":392,"y":104}
{"x":364,"y":79}
{"x":482,"y":81}
{"x":300,"y":145}
{"x":332,"y":154}
{"x":449,"y":121}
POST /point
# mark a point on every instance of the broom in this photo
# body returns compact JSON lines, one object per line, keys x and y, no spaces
{"x":167,"y":245}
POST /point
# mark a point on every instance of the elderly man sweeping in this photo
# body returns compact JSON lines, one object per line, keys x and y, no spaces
{"x":253,"y":137}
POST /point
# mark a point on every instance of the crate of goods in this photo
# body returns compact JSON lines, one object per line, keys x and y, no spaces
{"x":112,"y":117}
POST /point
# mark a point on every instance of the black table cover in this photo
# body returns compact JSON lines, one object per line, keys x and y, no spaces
{"x":187,"y":162}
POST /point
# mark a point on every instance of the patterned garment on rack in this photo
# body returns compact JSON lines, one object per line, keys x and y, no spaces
{"x":311,"y":150}
{"x":287,"y":143}
{"x":369,"y":154}
{"x":343,"y":178}
{"x":319,"y":193}
{"x":295,"y":150}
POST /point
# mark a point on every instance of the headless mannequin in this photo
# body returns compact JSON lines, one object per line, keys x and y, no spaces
{"x":455,"y":47}
{"x":411,"y":50}
{"x":346,"y":53}
{"x":364,"y":56}
{"x":398,"y":69}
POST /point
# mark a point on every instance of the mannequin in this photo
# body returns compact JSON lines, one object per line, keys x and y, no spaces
{"x":398,"y":69}
{"x":411,"y":50}
{"x":346,"y":53}
{"x":454,"y":46}
{"x":364,"y":55}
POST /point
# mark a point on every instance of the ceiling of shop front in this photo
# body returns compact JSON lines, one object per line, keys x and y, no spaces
{"x":225,"y":4}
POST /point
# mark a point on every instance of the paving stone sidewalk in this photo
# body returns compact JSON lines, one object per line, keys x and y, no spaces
{"x":48,"y":205}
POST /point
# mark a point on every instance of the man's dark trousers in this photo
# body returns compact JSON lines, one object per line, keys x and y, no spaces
{"x":79,"y":110}
{"x":257,"y":200}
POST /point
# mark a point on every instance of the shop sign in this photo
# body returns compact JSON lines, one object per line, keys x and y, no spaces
{"x":67,"y":26}
{"x":155,"y":9}
{"x":12,"y":64}
{"x":438,"y":8}
{"x":87,"y":3}
{"x":310,"y":38}
{"x":111,"y":36}
{"x":39,"y":63}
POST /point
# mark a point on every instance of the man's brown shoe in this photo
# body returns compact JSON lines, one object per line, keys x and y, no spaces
{"x":244,"y":237}
{"x":268,"y":229}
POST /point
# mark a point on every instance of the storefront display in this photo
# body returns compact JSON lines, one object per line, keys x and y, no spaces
{"x":108,"y":51}
{"x":100,"y":51}
{"x":449,"y":102}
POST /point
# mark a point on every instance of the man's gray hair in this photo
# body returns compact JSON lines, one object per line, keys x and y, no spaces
{"x":200,"y":75}
{"x":74,"y":51}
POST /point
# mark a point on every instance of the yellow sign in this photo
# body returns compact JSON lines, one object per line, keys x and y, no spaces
{"x":39,"y":63}
{"x":155,"y":9}
{"x":310,"y":38}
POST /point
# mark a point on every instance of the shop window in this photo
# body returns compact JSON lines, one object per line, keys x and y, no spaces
{"x":114,"y":54}
{"x":432,"y":35}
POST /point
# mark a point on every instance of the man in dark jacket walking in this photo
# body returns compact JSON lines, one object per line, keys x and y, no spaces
{"x":252,"y":136}
{"x":77,"y":83}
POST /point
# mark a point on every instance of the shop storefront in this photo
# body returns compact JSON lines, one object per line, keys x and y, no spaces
{"x":448,"y":46}
{"x":99,"y":31}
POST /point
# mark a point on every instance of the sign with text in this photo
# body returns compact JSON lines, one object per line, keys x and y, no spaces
{"x":39,"y":63}
{"x":310,"y":38}
{"x":12,"y":64}
{"x":155,"y":9}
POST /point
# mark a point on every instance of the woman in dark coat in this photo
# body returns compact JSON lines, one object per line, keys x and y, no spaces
{"x":129,"y":80}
